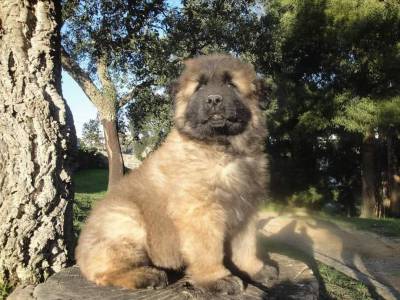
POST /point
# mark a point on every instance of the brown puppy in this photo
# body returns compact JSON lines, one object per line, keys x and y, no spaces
{"x":194,"y":196}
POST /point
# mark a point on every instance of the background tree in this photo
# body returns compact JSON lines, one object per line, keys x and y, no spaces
{"x":389,"y":116}
{"x":102,"y":43}
{"x":35,"y":136}
{"x":334,"y":63}
{"x":91,"y":135}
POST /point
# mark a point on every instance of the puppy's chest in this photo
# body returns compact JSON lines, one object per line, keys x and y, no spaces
{"x":240,"y":174}
{"x":238,"y":184}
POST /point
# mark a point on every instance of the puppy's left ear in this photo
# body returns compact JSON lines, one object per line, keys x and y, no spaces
{"x":263,"y":92}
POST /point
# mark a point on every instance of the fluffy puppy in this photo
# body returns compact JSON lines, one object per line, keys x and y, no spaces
{"x":194,"y":200}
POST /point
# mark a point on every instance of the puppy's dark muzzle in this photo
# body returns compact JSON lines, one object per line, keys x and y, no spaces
{"x":217,"y":120}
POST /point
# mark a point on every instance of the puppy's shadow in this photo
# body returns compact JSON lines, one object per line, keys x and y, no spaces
{"x":174,"y":276}
{"x":263,"y":222}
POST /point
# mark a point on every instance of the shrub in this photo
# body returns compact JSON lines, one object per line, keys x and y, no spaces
{"x":90,"y":158}
{"x":309,"y":198}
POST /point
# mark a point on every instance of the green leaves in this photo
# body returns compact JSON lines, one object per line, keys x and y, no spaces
{"x":362,"y":115}
{"x":357,"y":115}
{"x":313,"y":121}
{"x":115,"y":29}
{"x":91,"y":135}
{"x":389,"y":112}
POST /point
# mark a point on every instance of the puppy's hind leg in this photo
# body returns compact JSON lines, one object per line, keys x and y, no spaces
{"x":127,"y":271}
{"x":112,"y":249}
{"x":136,"y":278}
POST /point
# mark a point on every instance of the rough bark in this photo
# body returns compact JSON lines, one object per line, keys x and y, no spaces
{"x":369,"y":197}
{"x":36,"y":135}
{"x":106,"y":103}
{"x":393,"y":174}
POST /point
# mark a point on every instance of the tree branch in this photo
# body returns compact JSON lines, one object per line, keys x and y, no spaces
{"x":132,"y":94}
{"x":105,"y":104}
{"x":127,"y":97}
{"x":109,"y":106}
{"x":81,"y":78}
{"x":108,"y":88}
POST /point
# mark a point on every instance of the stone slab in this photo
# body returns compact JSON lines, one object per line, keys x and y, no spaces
{"x":296,"y":281}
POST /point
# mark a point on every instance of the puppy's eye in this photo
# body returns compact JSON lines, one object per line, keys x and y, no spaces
{"x":231,"y":85}
{"x":202,"y":82}
{"x":199,"y":86}
{"x":227,"y":79}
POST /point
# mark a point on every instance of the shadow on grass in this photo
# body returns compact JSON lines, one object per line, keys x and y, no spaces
{"x":90,"y":186}
{"x":91,"y":181}
{"x":276,"y":247}
{"x":269,"y":245}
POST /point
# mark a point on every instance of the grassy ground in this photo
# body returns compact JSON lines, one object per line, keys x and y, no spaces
{"x":334,"y":285}
{"x":4,"y":291}
{"x":388,"y":227}
{"x":91,"y":186}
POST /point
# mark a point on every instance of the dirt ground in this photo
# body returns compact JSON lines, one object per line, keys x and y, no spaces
{"x":361,"y":255}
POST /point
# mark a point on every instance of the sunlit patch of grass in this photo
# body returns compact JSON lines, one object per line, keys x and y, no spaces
{"x":333,"y":284}
{"x":339,"y":286}
{"x":388,"y":227}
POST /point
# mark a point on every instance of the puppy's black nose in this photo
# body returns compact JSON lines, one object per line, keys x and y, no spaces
{"x":214,"y":100}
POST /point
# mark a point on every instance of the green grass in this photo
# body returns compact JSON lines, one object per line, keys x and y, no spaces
{"x":90,"y":186}
{"x":4,"y":291}
{"x":334,"y":285}
{"x":388,"y":227}
{"x":339,"y":286}
{"x":91,"y":182}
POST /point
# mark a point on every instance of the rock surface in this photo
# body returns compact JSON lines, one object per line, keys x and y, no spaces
{"x":296,"y":281}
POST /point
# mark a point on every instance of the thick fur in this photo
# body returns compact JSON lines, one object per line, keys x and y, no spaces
{"x":189,"y":199}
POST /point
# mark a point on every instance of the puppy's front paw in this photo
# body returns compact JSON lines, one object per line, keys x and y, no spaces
{"x":230,"y":285}
{"x":266,"y":275}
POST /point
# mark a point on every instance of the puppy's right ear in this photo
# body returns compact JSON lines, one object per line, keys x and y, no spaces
{"x":173,"y":89}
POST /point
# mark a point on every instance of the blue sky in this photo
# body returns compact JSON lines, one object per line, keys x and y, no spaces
{"x":82,"y":109}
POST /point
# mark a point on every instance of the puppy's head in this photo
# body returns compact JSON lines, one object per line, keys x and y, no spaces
{"x":216,"y":98}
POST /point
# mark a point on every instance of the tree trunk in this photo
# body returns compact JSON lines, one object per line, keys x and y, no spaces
{"x":105,"y":101}
{"x":369,"y":198}
{"x":108,"y":113}
{"x":393,"y":174}
{"x":115,"y":161}
{"x":36,"y":134}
